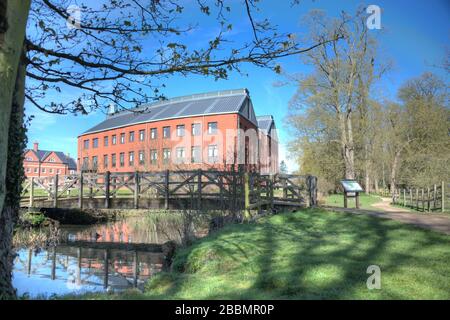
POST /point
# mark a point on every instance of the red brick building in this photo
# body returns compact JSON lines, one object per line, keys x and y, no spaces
{"x":210,"y":130}
{"x":45,"y":163}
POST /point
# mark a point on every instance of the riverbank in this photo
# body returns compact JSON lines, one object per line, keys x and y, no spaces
{"x":310,"y":254}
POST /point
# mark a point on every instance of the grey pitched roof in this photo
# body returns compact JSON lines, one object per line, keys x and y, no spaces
{"x":219,"y":102}
{"x":265,"y":123}
{"x":42,"y":154}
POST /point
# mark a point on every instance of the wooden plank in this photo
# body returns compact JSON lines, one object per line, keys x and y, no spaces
{"x":32,"y":192}
{"x":55,"y":192}
{"x":166,"y":190}
{"x":136,"y":190}
{"x":80,"y":192}
{"x":107,"y":194}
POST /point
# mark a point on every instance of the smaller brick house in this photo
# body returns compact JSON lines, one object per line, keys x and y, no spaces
{"x":45,"y":163}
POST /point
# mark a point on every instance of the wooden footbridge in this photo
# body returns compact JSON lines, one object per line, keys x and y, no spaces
{"x":181,"y":189}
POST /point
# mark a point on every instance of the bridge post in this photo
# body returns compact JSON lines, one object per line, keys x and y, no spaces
{"x":166,"y":190}
{"x":136,"y":189}
{"x":55,"y":191}
{"x":247,"y":213}
{"x":199,"y":189}
{"x":107,"y":193}
{"x":258,"y":191}
{"x":32,"y":192}
{"x":271,"y":183}
{"x":80,"y":192}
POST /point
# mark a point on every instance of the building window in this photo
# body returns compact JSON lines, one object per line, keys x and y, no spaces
{"x":180,"y":155}
{"x":113,"y":160}
{"x":105,"y":161}
{"x":29,"y":159}
{"x":94,"y":162}
{"x":153,"y":156}
{"x":141,"y":157}
{"x":196,"y":129}
{"x":51,"y":170}
{"x":153,"y":133}
{"x":86,"y":144}
{"x":131,"y":158}
{"x":95,"y":143}
{"x":43,"y":170}
{"x":35,"y":170}
{"x":105,"y":141}
{"x":58,"y":171}
{"x":141,"y":135}
{"x":180,"y":130}
{"x":114,"y":139}
{"x":131,"y":136}
{"x":166,"y":132}
{"x":166,"y":155}
{"x":51,"y":160}
{"x":213,"y":153}
{"x":122,"y":159}
{"x":122,"y":138}
{"x":196,"y":155}
{"x":212,"y":127}
{"x":28,"y":170}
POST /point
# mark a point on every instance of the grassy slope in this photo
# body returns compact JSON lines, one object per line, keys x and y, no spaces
{"x":365,"y":201}
{"x":311,"y":254}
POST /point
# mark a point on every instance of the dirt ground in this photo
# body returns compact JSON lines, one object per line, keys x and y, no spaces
{"x":434,"y":221}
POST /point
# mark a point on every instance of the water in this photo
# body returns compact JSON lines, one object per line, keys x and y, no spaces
{"x":111,"y":256}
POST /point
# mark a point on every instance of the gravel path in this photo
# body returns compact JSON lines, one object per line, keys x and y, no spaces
{"x":434,"y":221}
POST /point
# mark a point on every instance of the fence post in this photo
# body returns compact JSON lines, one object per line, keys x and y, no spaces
{"x":428,"y":199}
{"x":107,"y":194}
{"x":199,"y":189}
{"x":55,"y":194}
{"x":410,"y":198}
{"x":417,"y":199}
{"x":442,"y":197}
{"x":80,"y":192}
{"x":166,"y":190}
{"x":285,"y":188}
{"x":247,"y":213}
{"x":404,"y":197}
{"x":136,"y":189}
{"x":434,"y":196}
{"x":32,"y":192}
{"x":271,"y":182}
{"x":258,"y":191}
{"x":423,"y":203}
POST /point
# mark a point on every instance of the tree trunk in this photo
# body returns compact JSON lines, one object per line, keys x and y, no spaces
{"x":14,"y":17}
{"x":394,"y":168}
{"x":347,"y":145}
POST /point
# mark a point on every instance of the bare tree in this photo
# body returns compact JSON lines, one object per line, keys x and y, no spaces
{"x":343,"y":70}
{"x":102,"y":56}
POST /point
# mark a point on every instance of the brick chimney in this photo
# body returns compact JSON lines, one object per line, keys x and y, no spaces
{"x":36,"y":146}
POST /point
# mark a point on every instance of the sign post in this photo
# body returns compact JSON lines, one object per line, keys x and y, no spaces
{"x":351,"y":190}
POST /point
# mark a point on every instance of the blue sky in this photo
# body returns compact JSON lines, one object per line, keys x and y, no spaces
{"x":414,"y":35}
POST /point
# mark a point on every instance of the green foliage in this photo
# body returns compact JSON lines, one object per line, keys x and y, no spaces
{"x":33,"y":218}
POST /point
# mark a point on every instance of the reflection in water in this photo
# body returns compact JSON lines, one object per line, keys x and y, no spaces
{"x":108,"y":256}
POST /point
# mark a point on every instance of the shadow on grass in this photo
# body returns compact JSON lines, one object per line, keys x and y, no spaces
{"x":313,"y":254}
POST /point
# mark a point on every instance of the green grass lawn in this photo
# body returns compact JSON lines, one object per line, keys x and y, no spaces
{"x":365,"y":201}
{"x":310,"y":254}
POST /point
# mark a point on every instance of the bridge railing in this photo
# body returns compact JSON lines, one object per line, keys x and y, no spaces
{"x":232,"y":189}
